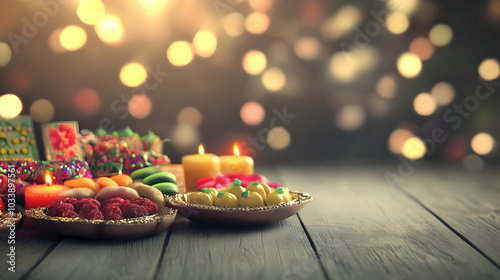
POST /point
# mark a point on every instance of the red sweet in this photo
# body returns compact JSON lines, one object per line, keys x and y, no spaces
{"x":87,"y":208}
{"x":113,"y":212}
{"x":113,"y":200}
{"x":106,"y":207}
{"x":70,"y":200}
{"x":148,"y":204}
{"x":57,"y":208}
{"x":131,"y":210}
{"x":93,"y":215}
{"x":125,"y":202}
{"x":80,"y":203}
{"x":69,"y":214}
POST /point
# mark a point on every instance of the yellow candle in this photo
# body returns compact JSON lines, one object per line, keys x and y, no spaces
{"x":199,"y":166}
{"x":236,"y":164}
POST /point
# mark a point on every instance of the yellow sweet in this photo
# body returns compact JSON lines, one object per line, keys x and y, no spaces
{"x":267,"y":188}
{"x":224,"y":189}
{"x":235,"y":188}
{"x":213,"y":192}
{"x":226,"y":199}
{"x":200,"y":198}
{"x":276,"y":197}
{"x":287,"y":195}
{"x":258,"y":188}
{"x":251,"y":199}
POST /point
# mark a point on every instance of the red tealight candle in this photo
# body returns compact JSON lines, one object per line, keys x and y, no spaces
{"x":44,"y":195}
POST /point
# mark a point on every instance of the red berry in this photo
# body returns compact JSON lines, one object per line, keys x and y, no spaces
{"x":2,"y":206}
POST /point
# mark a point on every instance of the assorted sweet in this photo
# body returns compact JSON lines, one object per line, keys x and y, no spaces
{"x":224,"y":180}
{"x":255,"y":194}
{"x":164,"y":181}
{"x":118,"y":152}
{"x":115,"y":208}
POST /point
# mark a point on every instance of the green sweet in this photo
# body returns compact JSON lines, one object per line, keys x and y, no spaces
{"x":237,"y":182}
{"x":101,"y":132}
{"x":245,"y":194}
{"x":160,"y":177}
{"x":143,"y":172}
{"x":205,"y":190}
{"x":126,"y":132}
{"x":167,"y":188}
{"x":149,"y":137}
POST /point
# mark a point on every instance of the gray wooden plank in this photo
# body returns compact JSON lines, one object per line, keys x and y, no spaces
{"x":75,"y":258}
{"x":469,"y":203}
{"x":363,"y":228}
{"x":30,"y":247}
{"x":277,"y":251}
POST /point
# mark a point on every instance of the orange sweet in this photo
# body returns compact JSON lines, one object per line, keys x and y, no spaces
{"x":83,"y":182}
{"x":122,"y":179}
{"x":106,"y":182}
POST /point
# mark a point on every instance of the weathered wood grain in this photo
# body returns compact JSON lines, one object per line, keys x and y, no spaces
{"x":75,"y":258}
{"x":469,"y":203}
{"x":277,"y":251}
{"x":30,"y":247}
{"x":364,"y":229}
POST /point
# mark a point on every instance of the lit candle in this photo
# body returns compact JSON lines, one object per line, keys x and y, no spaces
{"x":199,"y":166}
{"x":236,"y":164}
{"x":43,"y":195}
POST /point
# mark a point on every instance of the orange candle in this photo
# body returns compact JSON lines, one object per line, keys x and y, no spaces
{"x":199,"y":166}
{"x":44,"y":195}
{"x":236,"y":164}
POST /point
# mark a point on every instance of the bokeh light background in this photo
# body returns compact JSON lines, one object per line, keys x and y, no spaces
{"x":362,"y":79}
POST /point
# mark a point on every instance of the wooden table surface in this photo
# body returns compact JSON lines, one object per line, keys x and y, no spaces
{"x":438,"y":223}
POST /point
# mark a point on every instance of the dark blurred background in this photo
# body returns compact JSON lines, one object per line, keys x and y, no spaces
{"x":290,"y":81}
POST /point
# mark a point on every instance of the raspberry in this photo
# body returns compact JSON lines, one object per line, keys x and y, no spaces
{"x":69,"y":214}
{"x":57,"y":208}
{"x":113,"y":200}
{"x":87,"y":208}
{"x":148,"y":204}
{"x":131,"y":210}
{"x":113,"y":213}
{"x":93,"y":215}
{"x":80,"y":203}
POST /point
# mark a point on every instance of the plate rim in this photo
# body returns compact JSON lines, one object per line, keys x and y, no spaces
{"x":177,"y":202}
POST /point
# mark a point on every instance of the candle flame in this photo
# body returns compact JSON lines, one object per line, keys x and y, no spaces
{"x":236,"y":150}
{"x":48,"y":178}
{"x":201,"y":150}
